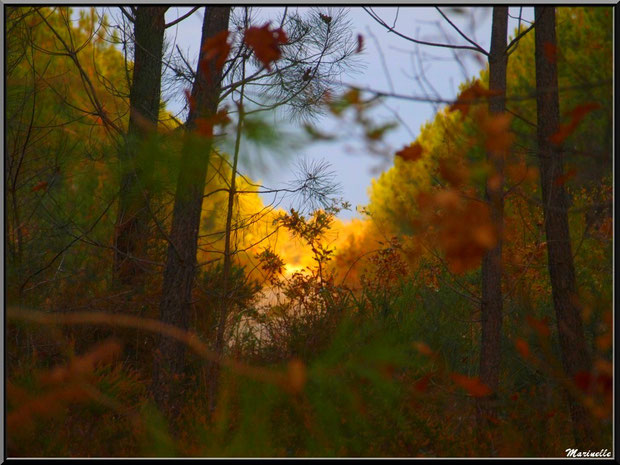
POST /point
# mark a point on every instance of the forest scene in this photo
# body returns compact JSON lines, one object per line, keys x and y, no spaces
{"x":237,"y":231}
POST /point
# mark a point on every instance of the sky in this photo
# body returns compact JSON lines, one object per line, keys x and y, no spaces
{"x":390,"y":63}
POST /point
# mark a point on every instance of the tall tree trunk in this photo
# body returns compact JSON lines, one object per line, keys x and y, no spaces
{"x":491,"y":308}
{"x":575,"y":353}
{"x":132,"y":223}
{"x":181,"y":262}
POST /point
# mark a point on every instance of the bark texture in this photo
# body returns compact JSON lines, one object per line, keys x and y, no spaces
{"x":132,"y":223}
{"x":491,"y":308}
{"x":181,"y":262}
{"x":574,"y":349}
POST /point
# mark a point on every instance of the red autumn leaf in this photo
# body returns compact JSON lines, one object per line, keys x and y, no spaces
{"x":561,"y":180}
{"x":551,"y":52}
{"x":360,"y":43}
{"x":266,"y":43}
{"x":577,"y":114}
{"x":473,"y":386}
{"x":40,"y":186}
{"x":411,"y":152}
{"x":523,"y":347}
{"x":215,"y":48}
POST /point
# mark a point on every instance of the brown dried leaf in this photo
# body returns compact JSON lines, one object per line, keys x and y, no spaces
{"x":411,"y":152}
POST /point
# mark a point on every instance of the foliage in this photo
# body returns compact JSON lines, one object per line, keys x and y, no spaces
{"x":355,"y":338}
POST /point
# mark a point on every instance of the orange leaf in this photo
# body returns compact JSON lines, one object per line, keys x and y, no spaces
{"x":411,"y":152}
{"x":40,"y":186}
{"x":266,"y":43}
{"x":473,"y":386}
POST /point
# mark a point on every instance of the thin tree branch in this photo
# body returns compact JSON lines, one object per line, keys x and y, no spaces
{"x":478,"y":47}
{"x":421,"y":42}
{"x":181,"y":18}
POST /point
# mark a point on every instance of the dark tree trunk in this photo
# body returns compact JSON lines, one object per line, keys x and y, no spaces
{"x":181,"y":263}
{"x":575,"y":353}
{"x":132,"y":223}
{"x":491,"y":308}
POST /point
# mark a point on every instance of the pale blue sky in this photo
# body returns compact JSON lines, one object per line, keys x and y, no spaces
{"x":354,"y":167}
